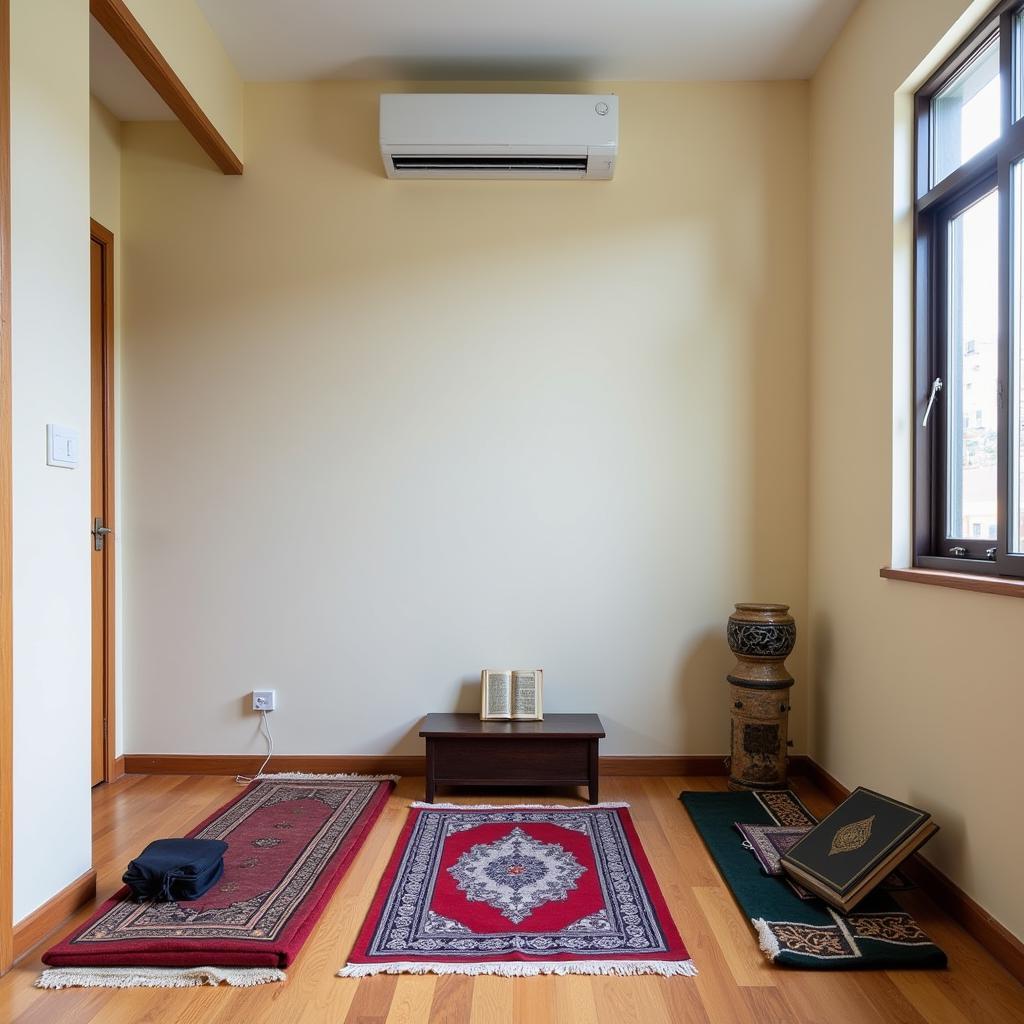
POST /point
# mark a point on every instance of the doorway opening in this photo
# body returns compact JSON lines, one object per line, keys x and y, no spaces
{"x":102,"y":487}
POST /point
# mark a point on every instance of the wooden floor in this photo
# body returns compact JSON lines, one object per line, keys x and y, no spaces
{"x":735,"y":985}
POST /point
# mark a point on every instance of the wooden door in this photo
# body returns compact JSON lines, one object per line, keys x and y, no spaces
{"x":102,"y":461}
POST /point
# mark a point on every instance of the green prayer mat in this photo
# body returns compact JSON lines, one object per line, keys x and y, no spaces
{"x":802,"y":931}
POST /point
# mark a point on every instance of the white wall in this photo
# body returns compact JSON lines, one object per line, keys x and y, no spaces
{"x":50,"y":376}
{"x":381,"y":434}
{"x":916,"y":690}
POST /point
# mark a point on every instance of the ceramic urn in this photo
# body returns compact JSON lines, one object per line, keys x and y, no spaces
{"x":761,"y":636}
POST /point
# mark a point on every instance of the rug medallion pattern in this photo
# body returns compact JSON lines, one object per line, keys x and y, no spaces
{"x":516,"y":874}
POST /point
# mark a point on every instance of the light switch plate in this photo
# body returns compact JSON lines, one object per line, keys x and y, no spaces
{"x":61,"y":446}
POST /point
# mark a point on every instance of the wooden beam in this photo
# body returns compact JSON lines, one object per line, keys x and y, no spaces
{"x":122,"y":26}
{"x":6,"y":624}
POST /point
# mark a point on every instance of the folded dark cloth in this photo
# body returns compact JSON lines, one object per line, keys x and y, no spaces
{"x":175,"y":869}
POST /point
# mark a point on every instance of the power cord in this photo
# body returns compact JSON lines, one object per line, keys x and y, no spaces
{"x":244,"y":780}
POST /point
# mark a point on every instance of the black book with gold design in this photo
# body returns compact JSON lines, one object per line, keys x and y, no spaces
{"x":851,"y":851}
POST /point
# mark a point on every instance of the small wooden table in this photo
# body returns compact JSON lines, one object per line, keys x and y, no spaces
{"x":559,"y":751}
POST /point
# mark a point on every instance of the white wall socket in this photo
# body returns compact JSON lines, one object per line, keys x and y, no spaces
{"x":264,"y":700}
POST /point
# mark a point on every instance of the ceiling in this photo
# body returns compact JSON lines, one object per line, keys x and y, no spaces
{"x":117,"y":84}
{"x":538,"y":40}
{"x":477,"y":40}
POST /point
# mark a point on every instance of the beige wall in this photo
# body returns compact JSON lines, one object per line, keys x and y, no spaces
{"x":380,"y":434}
{"x":916,"y":690}
{"x":104,"y":167}
{"x":105,"y":207}
{"x":50,"y":381}
{"x":181,"y":33}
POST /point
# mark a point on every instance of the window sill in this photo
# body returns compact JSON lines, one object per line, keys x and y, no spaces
{"x":957,"y":580}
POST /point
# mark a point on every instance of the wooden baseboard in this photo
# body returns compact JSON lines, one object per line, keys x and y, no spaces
{"x":383,"y":764}
{"x":801,"y":764}
{"x":974,"y":919}
{"x":245,"y":764}
{"x":681,"y":765}
{"x":30,"y":931}
{"x":118,"y":769}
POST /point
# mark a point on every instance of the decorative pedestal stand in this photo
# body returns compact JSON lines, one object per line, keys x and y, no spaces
{"x":761,"y":636}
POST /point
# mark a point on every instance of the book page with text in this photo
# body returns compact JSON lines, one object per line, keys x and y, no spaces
{"x":524,"y":694}
{"x":497,"y":694}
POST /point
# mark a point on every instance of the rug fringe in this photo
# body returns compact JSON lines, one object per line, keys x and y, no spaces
{"x":156,"y":977}
{"x":664,"y":968}
{"x":515,"y":807}
{"x":338,"y":775}
{"x":766,"y":938}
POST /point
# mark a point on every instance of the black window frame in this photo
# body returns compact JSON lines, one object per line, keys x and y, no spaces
{"x":934,"y":207}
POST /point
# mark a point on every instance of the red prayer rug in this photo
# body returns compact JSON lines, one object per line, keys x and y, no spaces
{"x":518,"y":890}
{"x":290,"y":839}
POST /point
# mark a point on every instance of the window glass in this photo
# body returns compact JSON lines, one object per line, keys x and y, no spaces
{"x":966,"y":113}
{"x":1018,"y":66}
{"x":972,"y":368}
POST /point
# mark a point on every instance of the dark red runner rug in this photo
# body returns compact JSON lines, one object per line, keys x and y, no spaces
{"x":519,"y":890}
{"x":290,"y":839}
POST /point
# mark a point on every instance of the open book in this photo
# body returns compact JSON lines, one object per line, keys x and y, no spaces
{"x":514,"y":694}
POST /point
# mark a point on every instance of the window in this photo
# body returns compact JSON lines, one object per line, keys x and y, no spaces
{"x":969,"y":305}
{"x":965,"y":113}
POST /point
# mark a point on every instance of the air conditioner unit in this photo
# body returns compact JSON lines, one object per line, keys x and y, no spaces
{"x":481,"y":135}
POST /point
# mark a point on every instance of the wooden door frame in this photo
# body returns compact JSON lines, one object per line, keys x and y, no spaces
{"x":105,"y":238}
{"x":6,"y":625}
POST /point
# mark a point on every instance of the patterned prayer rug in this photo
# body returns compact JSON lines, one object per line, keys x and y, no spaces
{"x":518,"y":890}
{"x":796,"y":931}
{"x":290,"y":839}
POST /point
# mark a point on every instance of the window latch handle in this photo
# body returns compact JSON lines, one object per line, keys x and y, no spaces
{"x":936,"y":388}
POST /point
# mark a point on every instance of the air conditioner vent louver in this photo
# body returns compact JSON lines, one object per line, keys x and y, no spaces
{"x":499,"y":136}
{"x":409,"y":162}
